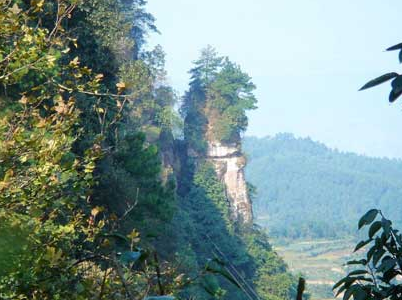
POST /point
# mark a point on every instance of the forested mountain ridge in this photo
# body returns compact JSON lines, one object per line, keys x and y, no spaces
{"x":306,"y":190}
{"x":98,"y":199}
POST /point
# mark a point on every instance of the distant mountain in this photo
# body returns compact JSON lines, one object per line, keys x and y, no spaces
{"x":307,"y":190}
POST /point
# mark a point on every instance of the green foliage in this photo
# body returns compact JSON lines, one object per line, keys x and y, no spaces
{"x":88,"y":204}
{"x":61,"y":124}
{"x":396,"y":83}
{"x":205,"y":68}
{"x":231,"y":94}
{"x":310,"y":191}
{"x":376,"y":275}
{"x":215,"y":106}
{"x":271,"y":278}
{"x":44,"y":185}
{"x":214,"y":109}
{"x":212,"y":233}
{"x":132,"y":175}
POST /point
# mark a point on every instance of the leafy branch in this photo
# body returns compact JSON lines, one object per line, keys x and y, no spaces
{"x":382,"y":265}
{"x":396,"y":83}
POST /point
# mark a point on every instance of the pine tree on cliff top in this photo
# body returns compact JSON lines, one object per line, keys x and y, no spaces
{"x":220,"y":94}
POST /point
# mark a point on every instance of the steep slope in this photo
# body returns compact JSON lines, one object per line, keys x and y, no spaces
{"x":215,"y":214}
{"x":98,"y":200}
{"x":305,"y":189}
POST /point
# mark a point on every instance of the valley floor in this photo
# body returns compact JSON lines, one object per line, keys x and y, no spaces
{"x":320,"y":262}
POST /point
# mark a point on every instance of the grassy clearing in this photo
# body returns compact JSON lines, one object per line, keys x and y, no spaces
{"x":319,"y":261}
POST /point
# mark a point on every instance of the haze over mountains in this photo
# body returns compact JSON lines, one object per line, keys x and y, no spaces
{"x":307,"y":190}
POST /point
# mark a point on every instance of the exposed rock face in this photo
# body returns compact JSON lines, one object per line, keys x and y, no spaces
{"x":229,"y":164}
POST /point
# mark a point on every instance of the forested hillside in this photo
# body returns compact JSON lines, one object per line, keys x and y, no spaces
{"x":99,"y":198}
{"x":306,"y":190}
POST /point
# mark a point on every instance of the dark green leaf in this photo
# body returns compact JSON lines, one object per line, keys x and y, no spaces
{"x":361,"y":244}
{"x":357,"y":262}
{"x":374,"y":228}
{"x":370,"y":253}
{"x":386,"y":265}
{"x":389,"y":275}
{"x":393,"y":96}
{"x":386,"y":225}
{"x":379,"y":243}
{"x":358,"y":278}
{"x":160,"y":298}
{"x":377,"y":256}
{"x":357,"y":272}
{"x":362,"y":278}
{"x":340,"y":291}
{"x":340,"y":282}
{"x":395,"y":47}
{"x":379,"y":80}
{"x":359,"y":294}
{"x":349,"y":292}
{"x":368,"y":218}
{"x":397,"y":84}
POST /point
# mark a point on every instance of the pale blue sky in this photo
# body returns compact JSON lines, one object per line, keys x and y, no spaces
{"x":308,"y":59}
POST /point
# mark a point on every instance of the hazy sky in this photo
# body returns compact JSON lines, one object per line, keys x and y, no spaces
{"x":308,"y":59}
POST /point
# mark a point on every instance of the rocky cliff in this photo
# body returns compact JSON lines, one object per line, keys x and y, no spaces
{"x":229,"y":164}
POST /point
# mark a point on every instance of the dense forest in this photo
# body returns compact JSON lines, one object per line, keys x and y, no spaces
{"x":307,"y":190}
{"x":105,"y":189}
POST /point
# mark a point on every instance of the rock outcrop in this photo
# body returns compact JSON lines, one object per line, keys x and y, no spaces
{"x":229,"y":164}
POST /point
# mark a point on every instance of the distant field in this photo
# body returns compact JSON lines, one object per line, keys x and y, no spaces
{"x":319,"y":261}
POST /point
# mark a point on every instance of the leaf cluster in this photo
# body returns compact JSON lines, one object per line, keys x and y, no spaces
{"x":376,"y":275}
{"x":396,"y":78}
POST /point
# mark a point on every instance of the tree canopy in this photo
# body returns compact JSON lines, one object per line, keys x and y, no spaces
{"x":220,"y":94}
{"x":306,"y":190}
{"x":91,"y":171}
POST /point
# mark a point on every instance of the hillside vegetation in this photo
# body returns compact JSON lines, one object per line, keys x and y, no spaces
{"x":99,"y":198}
{"x":307,"y":190}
